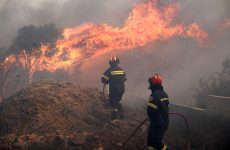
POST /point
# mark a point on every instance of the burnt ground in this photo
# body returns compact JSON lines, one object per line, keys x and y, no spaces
{"x":48,"y":115}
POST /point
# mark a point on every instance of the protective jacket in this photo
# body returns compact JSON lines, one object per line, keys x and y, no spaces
{"x":157,"y":107}
{"x":114,"y":76}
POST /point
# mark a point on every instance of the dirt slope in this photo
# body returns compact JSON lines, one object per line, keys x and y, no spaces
{"x":48,"y":115}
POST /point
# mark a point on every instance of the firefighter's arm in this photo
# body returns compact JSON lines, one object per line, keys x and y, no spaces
{"x":152,"y":108}
{"x":105,"y":77}
{"x":125,"y":78}
{"x":153,"y":103}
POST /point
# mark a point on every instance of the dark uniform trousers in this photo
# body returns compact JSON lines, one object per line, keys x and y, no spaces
{"x":116,"y":106}
{"x":155,"y":136}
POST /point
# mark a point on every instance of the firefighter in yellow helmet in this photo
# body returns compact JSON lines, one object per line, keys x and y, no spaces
{"x":158,"y":113}
{"x":115,"y":76}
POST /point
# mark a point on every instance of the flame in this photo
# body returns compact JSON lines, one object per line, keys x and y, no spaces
{"x":146,"y":23}
{"x":226,"y":23}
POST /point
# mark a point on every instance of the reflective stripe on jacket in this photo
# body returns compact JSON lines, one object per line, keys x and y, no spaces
{"x":114,"y":76}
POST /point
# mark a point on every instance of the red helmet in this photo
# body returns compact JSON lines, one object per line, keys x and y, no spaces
{"x":156,"y":79}
{"x":114,"y":60}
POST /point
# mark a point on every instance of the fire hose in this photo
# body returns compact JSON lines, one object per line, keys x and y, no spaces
{"x":145,"y":120}
{"x":104,"y":92}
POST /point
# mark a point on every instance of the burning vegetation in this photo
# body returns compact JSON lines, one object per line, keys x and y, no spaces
{"x":146,"y":23}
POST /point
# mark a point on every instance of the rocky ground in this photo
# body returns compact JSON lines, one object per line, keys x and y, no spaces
{"x":48,"y":115}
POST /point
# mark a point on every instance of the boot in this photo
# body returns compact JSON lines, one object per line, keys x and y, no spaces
{"x":114,"y":115}
{"x":121,"y":111}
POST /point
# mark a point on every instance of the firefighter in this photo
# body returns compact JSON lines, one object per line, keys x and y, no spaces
{"x":115,"y":76}
{"x":157,"y":110}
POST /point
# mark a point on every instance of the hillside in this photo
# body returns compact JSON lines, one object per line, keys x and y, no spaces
{"x":48,"y":115}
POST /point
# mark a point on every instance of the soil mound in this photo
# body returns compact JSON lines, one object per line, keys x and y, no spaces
{"x":49,"y":115}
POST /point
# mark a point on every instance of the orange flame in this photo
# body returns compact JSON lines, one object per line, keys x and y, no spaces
{"x":226,"y":23}
{"x":146,"y":23}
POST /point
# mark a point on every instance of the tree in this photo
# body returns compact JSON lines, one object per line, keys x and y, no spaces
{"x":17,"y":63}
{"x":15,"y":73}
{"x":32,"y":37}
{"x":218,"y":84}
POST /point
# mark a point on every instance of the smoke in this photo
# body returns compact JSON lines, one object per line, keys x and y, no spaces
{"x":182,"y":62}
{"x":31,"y":37}
{"x":15,"y":14}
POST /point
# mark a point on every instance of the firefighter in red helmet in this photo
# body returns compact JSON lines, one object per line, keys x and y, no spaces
{"x":115,"y":76}
{"x":157,"y":110}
